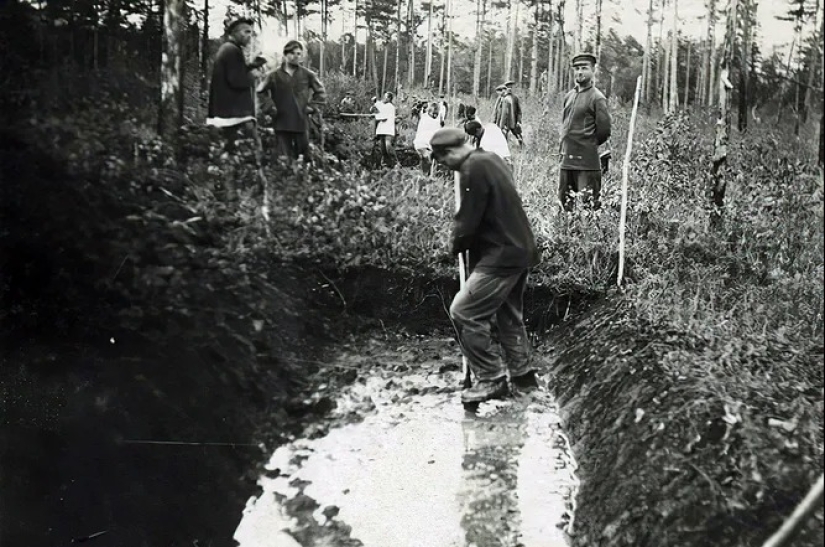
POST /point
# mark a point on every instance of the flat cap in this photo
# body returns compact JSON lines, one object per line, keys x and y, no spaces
{"x":584,"y":55}
{"x":472,"y":127}
{"x":500,"y":87}
{"x":292,"y":45}
{"x":238,"y":20}
{"x":448,"y":137}
{"x":509,"y":83}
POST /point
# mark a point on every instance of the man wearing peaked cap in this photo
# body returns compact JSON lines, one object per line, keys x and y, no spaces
{"x":585,"y":126}
{"x":510,"y":113}
{"x":492,"y":227}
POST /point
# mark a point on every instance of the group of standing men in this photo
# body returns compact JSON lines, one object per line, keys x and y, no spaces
{"x":295,"y":91}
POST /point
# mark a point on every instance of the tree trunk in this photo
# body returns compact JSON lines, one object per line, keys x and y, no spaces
{"x":428,"y":62}
{"x":384,"y":69}
{"x":560,"y":77}
{"x":700,"y":79}
{"x":411,"y":31}
{"x":442,"y":48}
{"x":511,"y":35}
{"x":720,"y":150}
{"x":646,"y":69}
{"x":815,"y":62}
{"x":711,"y":74}
{"x":673,"y":99}
{"x":534,"y":52}
{"x":490,"y":67}
{"x":205,"y":48}
{"x":666,"y":80}
{"x":598,"y":51}
{"x":397,"y":81}
{"x":324,"y":20}
{"x":577,"y":39}
{"x":687,"y":74}
{"x":170,"y":115}
{"x":552,"y":81}
{"x":744,"y":99}
{"x":480,"y":5}
{"x":355,"y":41}
{"x":450,"y":48}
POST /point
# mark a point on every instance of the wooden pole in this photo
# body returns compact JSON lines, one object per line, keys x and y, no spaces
{"x":462,"y":279}
{"x":808,"y":505}
{"x":625,"y":174}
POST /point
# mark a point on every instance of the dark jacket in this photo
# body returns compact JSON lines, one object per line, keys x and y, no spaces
{"x":491,"y":222}
{"x":230,"y":91}
{"x":585,"y":125}
{"x":291,"y":96}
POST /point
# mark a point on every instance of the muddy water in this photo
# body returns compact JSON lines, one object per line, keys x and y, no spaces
{"x":403,"y":465}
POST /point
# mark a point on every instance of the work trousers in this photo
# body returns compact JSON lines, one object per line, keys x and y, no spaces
{"x":291,"y":144}
{"x":586,"y":183}
{"x":387,"y":150}
{"x":487,"y":299}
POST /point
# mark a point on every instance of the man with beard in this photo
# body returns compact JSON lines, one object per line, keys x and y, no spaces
{"x":585,"y":126}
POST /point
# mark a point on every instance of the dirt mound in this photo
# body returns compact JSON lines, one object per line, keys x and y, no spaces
{"x":676,"y":452}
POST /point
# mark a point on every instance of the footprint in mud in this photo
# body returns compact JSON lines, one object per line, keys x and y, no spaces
{"x":417,"y":471}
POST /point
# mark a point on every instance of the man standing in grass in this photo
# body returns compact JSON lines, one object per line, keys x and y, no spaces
{"x":492,"y":226}
{"x":585,"y":126}
{"x":231,"y":99}
{"x":385,"y":128}
{"x":297,"y":95}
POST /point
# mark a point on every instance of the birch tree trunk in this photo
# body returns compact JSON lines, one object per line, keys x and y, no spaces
{"x":534,"y":52}
{"x":646,"y":58}
{"x":723,"y":124}
{"x":170,"y":114}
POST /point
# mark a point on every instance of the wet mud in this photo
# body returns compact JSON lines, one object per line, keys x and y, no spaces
{"x":399,"y":462}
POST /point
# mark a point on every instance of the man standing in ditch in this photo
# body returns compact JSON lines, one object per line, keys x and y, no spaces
{"x":297,"y":95}
{"x":231,"y":99}
{"x":492,"y":227}
{"x":585,"y":126}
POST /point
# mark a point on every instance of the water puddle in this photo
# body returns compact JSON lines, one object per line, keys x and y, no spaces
{"x":418,"y":472}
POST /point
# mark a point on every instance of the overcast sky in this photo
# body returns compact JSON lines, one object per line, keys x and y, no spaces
{"x":627,"y":17}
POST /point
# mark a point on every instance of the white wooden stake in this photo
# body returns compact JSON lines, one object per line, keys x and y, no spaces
{"x":462,"y":276}
{"x":625,"y":171}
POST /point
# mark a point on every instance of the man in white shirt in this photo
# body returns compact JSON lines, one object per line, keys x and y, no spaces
{"x":385,"y":128}
{"x":489,"y":137}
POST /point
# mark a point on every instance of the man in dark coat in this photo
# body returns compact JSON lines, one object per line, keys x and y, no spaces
{"x":585,"y":126}
{"x":231,"y":99}
{"x":297,"y":95}
{"x":492,"y":226}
